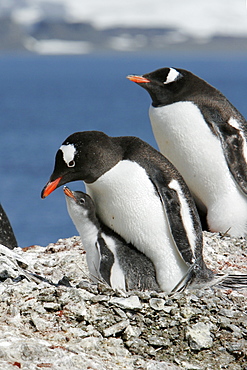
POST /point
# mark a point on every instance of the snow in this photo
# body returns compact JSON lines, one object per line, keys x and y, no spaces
{"x":201,"y":19}
{"x":56,"y":47}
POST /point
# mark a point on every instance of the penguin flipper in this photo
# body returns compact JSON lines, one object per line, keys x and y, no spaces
{"x":106,"y":260}
{"x":185,"y":232}
{"x":233,"y":141}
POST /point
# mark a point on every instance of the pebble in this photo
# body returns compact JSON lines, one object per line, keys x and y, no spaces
{"x":157,"y":304}
{"x":131,"y":332}
{"x":129,"y":303}
{"x":116,"y":328}
{"x":85,"y":325}
{"x":199,"y":336}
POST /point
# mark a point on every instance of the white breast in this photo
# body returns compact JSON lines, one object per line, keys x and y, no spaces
{"x":126,"y":201}
{"x":185,"y":139}
{"x":89,"y":235}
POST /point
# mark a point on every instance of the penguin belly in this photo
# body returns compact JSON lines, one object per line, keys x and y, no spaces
{"x":186,"y":140}
{"x":126,"y":201}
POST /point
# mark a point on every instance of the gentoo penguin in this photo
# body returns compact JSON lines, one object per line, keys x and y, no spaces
{"x":140,"y":195}
{"x":108,"y":256}
{"x":204,"y":136}
{"x":7,"y":236}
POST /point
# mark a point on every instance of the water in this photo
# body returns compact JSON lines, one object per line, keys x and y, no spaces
{"x":45,"y":99}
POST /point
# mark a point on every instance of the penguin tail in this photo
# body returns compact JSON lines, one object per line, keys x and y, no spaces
{"x":231,"y":281}
{"x":199,"y":277}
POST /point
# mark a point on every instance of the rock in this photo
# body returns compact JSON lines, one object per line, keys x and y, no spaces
{"x":52,"y":306}
{"x":188,"y":366}
{"x":89,"y":343}
{"x":82,"y":325}
{"x":130,"y":303}
{"x":153,"y":365}
{"x":159,"y":341}
{"x":199,"y":336}
{"x":85,"y":284}
{"x":188,"y":312}
{"x":115,"y":346}
{"x":227,"y":313}
{"x":116,"y":328}
{"x":41,"y":324}
{"x":131,"y":332}
{"x":100,"y":298}
{"x":157,"y":304}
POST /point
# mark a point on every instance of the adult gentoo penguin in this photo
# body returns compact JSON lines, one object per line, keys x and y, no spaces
{"x":140,"y":195}
{"x":204,"y":136}
{"x":108,"y":256}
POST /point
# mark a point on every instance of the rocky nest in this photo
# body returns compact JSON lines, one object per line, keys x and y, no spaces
{"x":74,"y":324}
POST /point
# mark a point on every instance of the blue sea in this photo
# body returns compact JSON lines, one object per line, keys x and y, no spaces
{"x":44,"y":99}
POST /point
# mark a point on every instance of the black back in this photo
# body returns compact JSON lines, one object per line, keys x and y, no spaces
{"x":7,"y":236}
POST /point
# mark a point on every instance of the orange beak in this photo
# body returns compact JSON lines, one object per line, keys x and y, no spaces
{"x":50,"y":187}
{"x":138,"y":79}
{"x":68,"y":192}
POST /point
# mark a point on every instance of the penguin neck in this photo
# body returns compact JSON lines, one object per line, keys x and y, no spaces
{"x":88,"y":231}
{"x":87,"y":226}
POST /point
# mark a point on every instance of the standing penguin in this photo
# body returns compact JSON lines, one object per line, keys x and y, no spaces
{"x":141,"y":196}
{"x":204,"y":136}
{"x":108,"y":255}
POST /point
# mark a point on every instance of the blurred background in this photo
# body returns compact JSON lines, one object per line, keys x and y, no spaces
{"x":63,"y":65}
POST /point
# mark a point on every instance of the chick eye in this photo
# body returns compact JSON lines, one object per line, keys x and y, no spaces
{"x":82,"y":201}
{"x":71,"y":164}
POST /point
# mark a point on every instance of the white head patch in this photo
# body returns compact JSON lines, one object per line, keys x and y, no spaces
{"x":69,"y":152}
{"x":172,"y":76}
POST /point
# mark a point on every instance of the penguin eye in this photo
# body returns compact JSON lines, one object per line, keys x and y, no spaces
{"x":71,"y":164}
{"x":82,"y":201}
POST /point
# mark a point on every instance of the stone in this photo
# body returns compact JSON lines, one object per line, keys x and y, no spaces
{"x":116,"y":328}
{"x":43,"y":325}
{"x":158,"y":341}
{"x":130,"y":303}
{"x":157,"y":304}
{"x":188,"y":366}
{"x":227,"y":313}
{"x":131,"y":332}
{"x":78,"y":310}
{"x":153,"y":365}
{"x":52,"y":306}
{"x":199,"y":336}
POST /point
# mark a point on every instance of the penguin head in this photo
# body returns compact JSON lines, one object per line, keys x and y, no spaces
{"x":82,"y":156}
{"x":164,"y":85}
{"x":79,"y":203}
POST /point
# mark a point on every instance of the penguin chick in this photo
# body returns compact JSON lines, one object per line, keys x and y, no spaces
{"x":108,"y":256}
